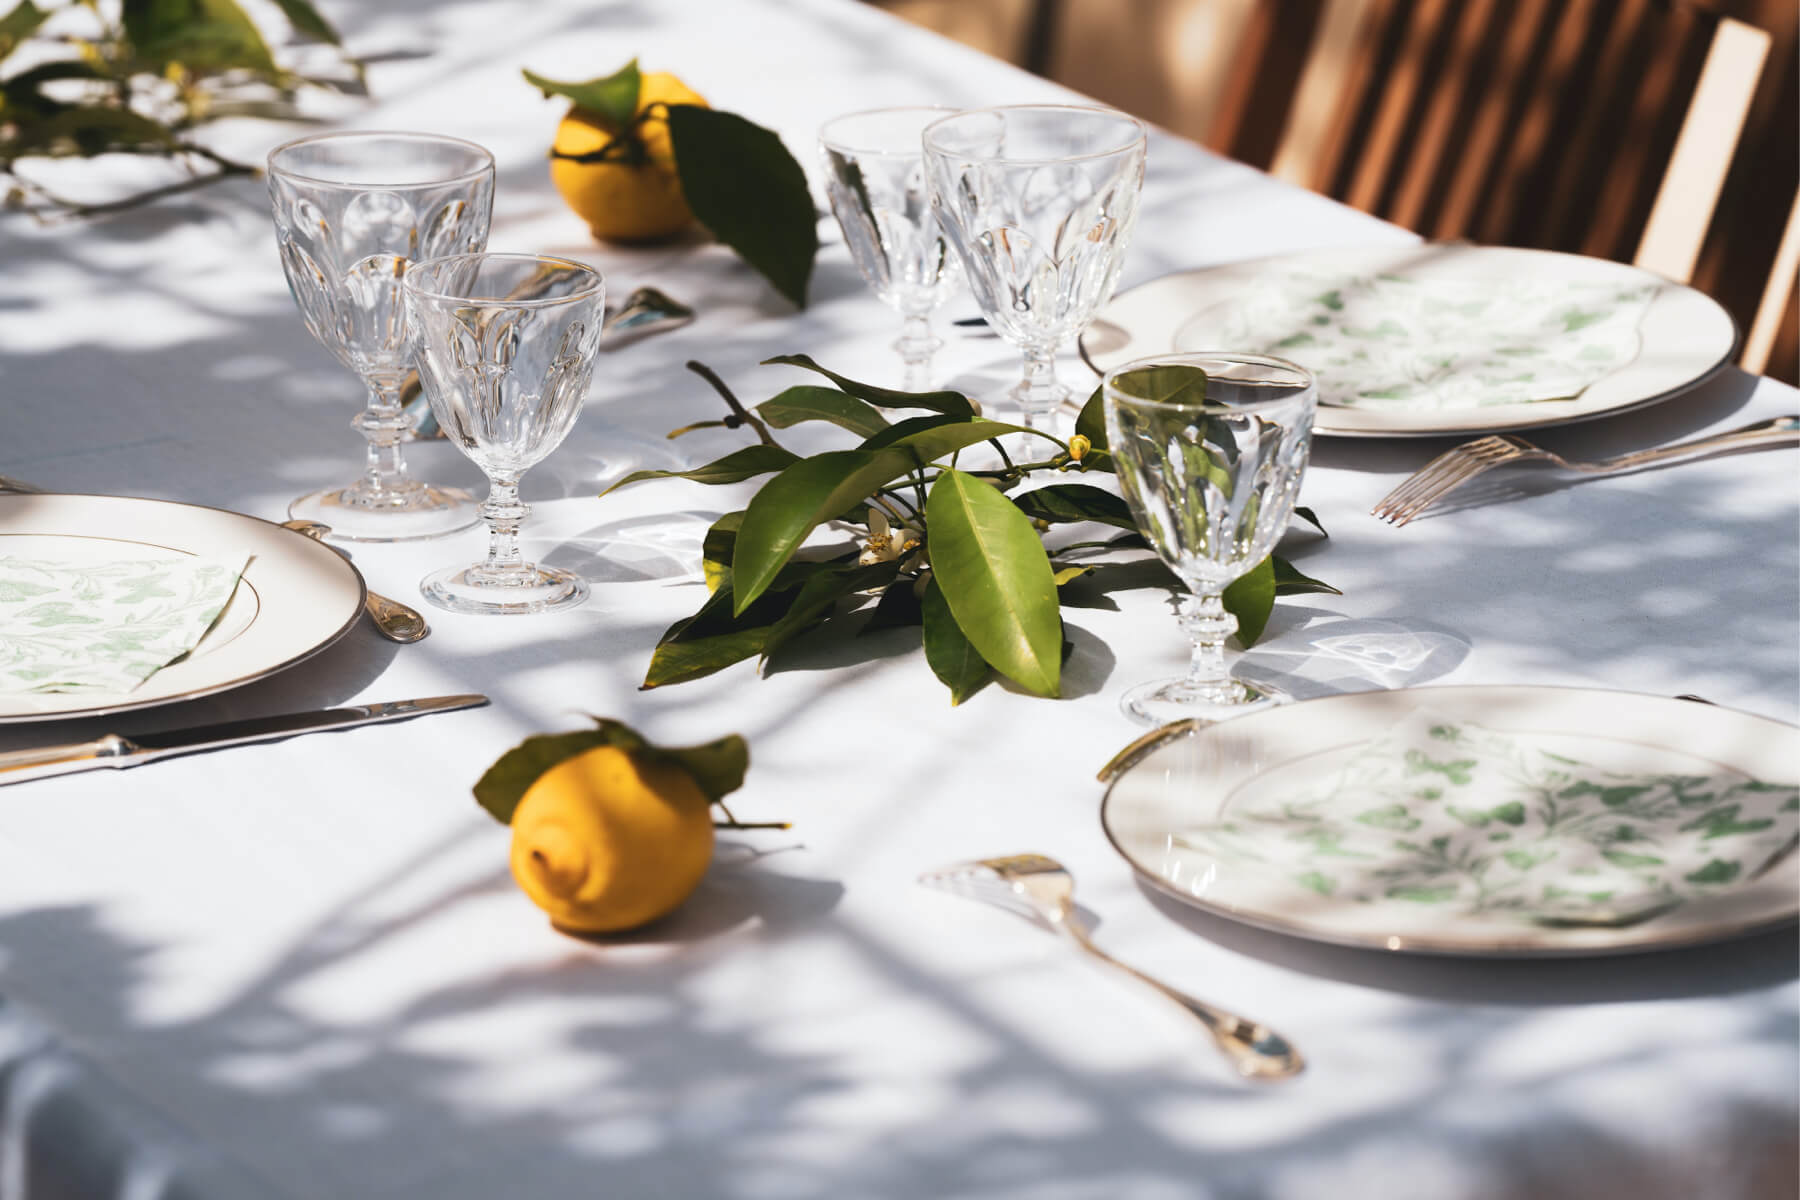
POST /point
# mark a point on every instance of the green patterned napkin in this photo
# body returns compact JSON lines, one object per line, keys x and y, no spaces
{"x":1443,"y":812}
{"x":105,"y":626}
{"x":1400,"y":342}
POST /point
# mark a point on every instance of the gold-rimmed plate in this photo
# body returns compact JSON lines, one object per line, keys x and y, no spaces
{"x":1683,"y":335}
{"x":295,"y":598}
{"x":1196,"y":779}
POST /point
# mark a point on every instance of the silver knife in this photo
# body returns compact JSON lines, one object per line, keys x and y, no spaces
{"x":17,"y":766}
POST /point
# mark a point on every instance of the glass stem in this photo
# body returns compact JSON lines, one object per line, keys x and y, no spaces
{"x":916,"y":346}
{"x":1041,"y":393}
{"x":503,"y":513}
{"x":1207,"y":623}
{"x":383,"y":422}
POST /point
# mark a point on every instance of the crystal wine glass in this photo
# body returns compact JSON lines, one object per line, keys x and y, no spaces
{"x":1039,"y":201}
{"x":506,"y":349}
{"x":875,"y":175}
{"x":351,"y":210}
{"x":1210,"y":449}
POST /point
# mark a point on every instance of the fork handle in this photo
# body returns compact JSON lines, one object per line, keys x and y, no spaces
{"x":1777,"y":429}
{"x":1255,"y":1050}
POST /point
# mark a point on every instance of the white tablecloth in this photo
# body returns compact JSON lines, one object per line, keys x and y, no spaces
{"x":301,"y":969}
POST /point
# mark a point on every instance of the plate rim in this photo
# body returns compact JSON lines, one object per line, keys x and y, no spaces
{"x":1623,"y":941}
{"x":1547,"y":416}
{"x":313,"y":548}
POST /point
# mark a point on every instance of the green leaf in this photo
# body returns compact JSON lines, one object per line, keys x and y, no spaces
{"x":678,"y":662}
{"x":504,"y":784}
{"x":1290,"y":582}
{"x":1173,"y":383}
{"x":790,"y":506}
{"x":88,"y":130}
{"x":19,"y":24}
{"x":936,"y":441}
{"x":613,"y":98}
{"x":743,"y":185}
{"x":1250,"y":598}
{"x":306,"y":19}
{"x":822,"y":590}
{"x":799,"y":404}
{"x":717,"y":767}
{"x":1064,"y":502}
{"x":1310,"y":517}
{"x":898,"y":607}
{"x":1091,"y":424}
{"x":996,"y":579}
{"x":201,"y":35}
{"x":716,"y":548}
{"x":20,"y":97}
{"x":906,"y":428}
{"x":951,"y":404}
{"x":735,"y":467}
{"x":948,"y":652}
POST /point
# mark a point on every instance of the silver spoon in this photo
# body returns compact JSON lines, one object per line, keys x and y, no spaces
{"x":1046,"y":890}
{"x":394,"y":621}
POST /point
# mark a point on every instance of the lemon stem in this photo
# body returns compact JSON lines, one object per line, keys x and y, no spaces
{"x":739,"y":414}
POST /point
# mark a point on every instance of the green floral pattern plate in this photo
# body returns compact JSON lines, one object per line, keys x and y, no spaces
{"x":295,"y":597}
{"x":1430,"y":339}
{"x":1475,"y":820}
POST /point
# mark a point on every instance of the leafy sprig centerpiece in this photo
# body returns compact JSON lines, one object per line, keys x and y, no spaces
{"x":85,"y":78}
{"x":929,"y":520}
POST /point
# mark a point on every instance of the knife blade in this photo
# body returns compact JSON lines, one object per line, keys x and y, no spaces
{"x":112,"y":750}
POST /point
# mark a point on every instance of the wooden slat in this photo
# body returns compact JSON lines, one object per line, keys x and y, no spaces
{"x":1395,"y":105}
{"x":1338,"y":67}
{"x":1495,"y":109}
{"x":1774,"y":306}
{"x":1425,"y":158}
{"x":1709,"y":137}
{"x":1535,"y":129}
{"x":1596,"y":129}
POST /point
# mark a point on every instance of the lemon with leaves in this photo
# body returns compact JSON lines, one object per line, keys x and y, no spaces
{"x":610,"y":832}
{"x":610,"y":840}
{"x":642,"y":156}
{"x":618,"y":171}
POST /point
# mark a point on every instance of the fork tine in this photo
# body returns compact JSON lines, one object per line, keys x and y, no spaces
{"x":1469,"y":468}
{"x":1489,"y":452}
{"x":1419,"y":479}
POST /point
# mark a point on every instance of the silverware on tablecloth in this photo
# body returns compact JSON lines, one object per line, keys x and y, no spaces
{"x":1459,"y":464}
{"x":394,"y":621}
{"x":112,"y":750}
{"x":646,"y":311}
{"x":1047,"y":892}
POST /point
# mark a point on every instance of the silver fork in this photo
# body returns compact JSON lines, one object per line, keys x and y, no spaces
{"x":1459,"y":464}
{"x":1048,"y":891}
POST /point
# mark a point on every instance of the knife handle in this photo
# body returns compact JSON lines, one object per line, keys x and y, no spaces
{"x":16,"y":766}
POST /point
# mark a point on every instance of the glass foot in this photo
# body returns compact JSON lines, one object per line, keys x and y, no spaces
{"x":1166,"y":701}
{"x":527,"y":589}
{"x":356,"y":514}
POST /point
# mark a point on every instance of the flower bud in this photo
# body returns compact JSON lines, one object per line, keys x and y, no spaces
{"x":1078,"y":446}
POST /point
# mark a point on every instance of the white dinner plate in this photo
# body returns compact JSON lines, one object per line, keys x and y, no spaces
{"x":296,"y":596}
{"x":1684,"y":335}
{"x":1198,"y":778}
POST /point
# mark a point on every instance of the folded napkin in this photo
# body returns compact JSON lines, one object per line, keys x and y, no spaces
{"x":1402,"y":342}
{"x":1443,"y":812}
{"x":105,"y":626}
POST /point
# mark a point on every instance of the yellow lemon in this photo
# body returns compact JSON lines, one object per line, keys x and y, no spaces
{"x":609,"y":840}
{"x":625,"y":200}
